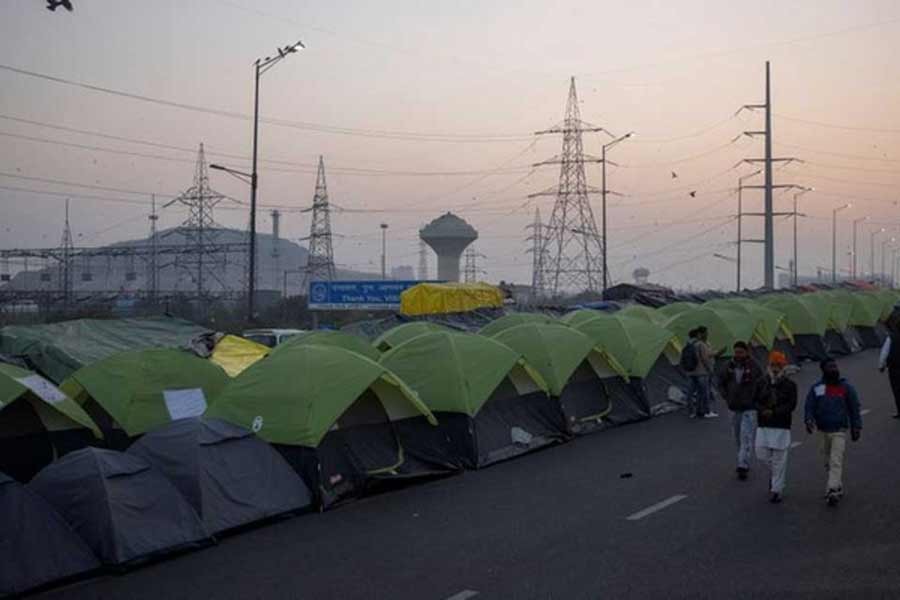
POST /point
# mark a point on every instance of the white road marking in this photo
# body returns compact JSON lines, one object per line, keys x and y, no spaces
{"x":656,"y":507}
{"x":865,"y":411}
{"x":463,"y":595}
{"x":795,"y":444}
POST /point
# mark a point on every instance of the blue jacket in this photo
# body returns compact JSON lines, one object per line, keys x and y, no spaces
{"x":833,"y":408}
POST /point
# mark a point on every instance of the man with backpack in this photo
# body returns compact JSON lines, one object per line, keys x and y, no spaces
{"x":739,"y":384}
{"x":697,"y":363}
{"x":832,"y":407}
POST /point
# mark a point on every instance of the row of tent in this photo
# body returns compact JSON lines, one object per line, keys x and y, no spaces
{"x":252,"y":432}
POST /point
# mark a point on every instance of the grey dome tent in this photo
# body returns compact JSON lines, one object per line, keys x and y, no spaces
{"x":38,"y":546}
{"x":125,"y":510}
{"x":230,"y":476}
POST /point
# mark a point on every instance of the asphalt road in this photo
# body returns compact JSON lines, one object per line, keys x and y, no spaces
{"x":555,"y":525}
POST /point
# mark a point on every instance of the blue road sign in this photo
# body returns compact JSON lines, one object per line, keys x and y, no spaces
{"x":357,"y":295}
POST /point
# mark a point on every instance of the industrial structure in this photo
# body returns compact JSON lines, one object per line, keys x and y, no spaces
{"x":571,"y":255}
{"x":448,"y":236}
{"x":320,"y":262}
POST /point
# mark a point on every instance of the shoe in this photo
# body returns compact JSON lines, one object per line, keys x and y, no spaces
{"x":897,"y":416}
{"x":692,"y":416}
{"x":711,"y":415}
{"x":742,"y":473}
{"x":833,"y":497}
{"x":775,"y":498}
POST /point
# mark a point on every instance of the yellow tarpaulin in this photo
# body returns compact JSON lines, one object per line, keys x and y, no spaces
{"x":440,"y":298}
{"x":234,"y":354}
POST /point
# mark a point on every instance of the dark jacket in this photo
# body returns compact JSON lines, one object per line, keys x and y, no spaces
{"x":833,"y":407}
{"x":740,"y":395}
{"x":776,"y":402}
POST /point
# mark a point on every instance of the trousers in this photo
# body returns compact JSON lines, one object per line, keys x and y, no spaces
{"x":894,"y":376}
{"x":744,"y":422}
{"x":833,"y":447}
{"x":698,"y":402}
{"x":776,"y":461}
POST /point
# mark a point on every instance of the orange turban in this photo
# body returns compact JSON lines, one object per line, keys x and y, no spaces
{"x":778,"y":358}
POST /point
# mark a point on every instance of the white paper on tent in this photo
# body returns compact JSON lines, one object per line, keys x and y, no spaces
{"x":43,"y":389}
{"x":184,"y":404}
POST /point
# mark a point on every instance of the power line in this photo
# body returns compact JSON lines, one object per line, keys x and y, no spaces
{"x":836,"y":126}
{"x":306,"y":126}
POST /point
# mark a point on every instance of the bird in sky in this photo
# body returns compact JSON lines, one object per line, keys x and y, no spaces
{"x":674,"y":175}
{"x":693,"y":194}
{"x":52,"y":5}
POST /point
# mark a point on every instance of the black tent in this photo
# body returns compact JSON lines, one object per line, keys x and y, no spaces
{"x":809,"y":347}
{"x":36,"y":545}
{"x":124,"y":509}
{"x":230,"y":477}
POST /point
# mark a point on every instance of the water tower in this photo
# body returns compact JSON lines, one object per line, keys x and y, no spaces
{"x":448,"y":236}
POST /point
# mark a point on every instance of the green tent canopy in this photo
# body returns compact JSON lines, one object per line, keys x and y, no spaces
{"x":140,"y":390}
{"x":38,"y":423}
{"x":59,"y":349}
{"x":725,"y":327}
{"x":837,"y":307}
{"x":582,"y":315}
{"x":338,"y":339}
{"x":556,"y":351}
{"x":297,"y":394}
{"x":514,"y":319}
{"x":397,"y":335}
{"x":676,"y":308}
{"x":770,"y":323}
{"x":458,"y":372}
{"x":635,"y":343}
{"x":643,"y":312}
{"x":886,"y":300}
{"x":801,"y":317}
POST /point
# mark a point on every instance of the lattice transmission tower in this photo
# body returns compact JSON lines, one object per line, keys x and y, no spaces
{"x":571,"y":256}
{"x":537,"y":256}
{"x":206,"y":262}
{"x":320,"y":260}
{"x":423,"y":261}
{"x":472,"y":272}
{"x":65,"y":267}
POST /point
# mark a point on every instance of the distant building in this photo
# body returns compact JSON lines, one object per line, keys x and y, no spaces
{"x":629,"y":291}
{"x":403,"y":273}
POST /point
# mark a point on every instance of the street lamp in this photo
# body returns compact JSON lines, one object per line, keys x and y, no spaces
{"x":796,"y":264}
{"x":872,"y":252}
{"x":384,"y":227}
{"x":740,"y":221}
{"x":603,"y":193}
{"x":855,"y":253}
{"x":834,"y":241}
{"x":260,"y":66}
{"x":884,"y":244}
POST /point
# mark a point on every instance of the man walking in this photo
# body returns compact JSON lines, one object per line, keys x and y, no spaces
{"x":697,"y":362}
{"x":832,"y":407}
{"x":739,"y":384}
{"x":775,"y":404}
{"x":890,"y":356}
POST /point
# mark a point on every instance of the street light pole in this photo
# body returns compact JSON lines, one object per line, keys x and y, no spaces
{"x":260,"y":66}
{"x":872,"y":251}
{"x":384,"y":227}
{"x":882,"y":275}
{"x":834,"y":276}
{"x":855,"y":253}
{"x":603,"y":193}
{"x":796,"y":263}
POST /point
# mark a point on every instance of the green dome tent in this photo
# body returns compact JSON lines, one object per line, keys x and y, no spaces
{"x":339,"y":339}
{"x":770,"y":323}
{"x":840,"y":339}
{"x":725,"y":327}
{"x":649,"y":354}
{"x":676,"y":308}
{"x":643,"y":312}
{"x":807,"y":324}
{"x":130,"y":393}
{"x":865,"y":316}
{"x":582,"y":315}
{"x":572,"y":366}
{"x":514,"y":319}
{"x":490,"y":403}
{"x":330,"y":412}
{"x":38,"y":423}
{"x":397,"y":335}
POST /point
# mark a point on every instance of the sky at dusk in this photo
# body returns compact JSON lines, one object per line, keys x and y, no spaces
{"x":423,"y":107}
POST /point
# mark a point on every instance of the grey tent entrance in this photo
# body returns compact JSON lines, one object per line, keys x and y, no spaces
{"x":125,"y":510}
{"x":37,"y":546}
{"x":229,"y":476}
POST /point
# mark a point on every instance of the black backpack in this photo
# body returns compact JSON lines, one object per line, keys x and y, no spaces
{"x":690,"y":358}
